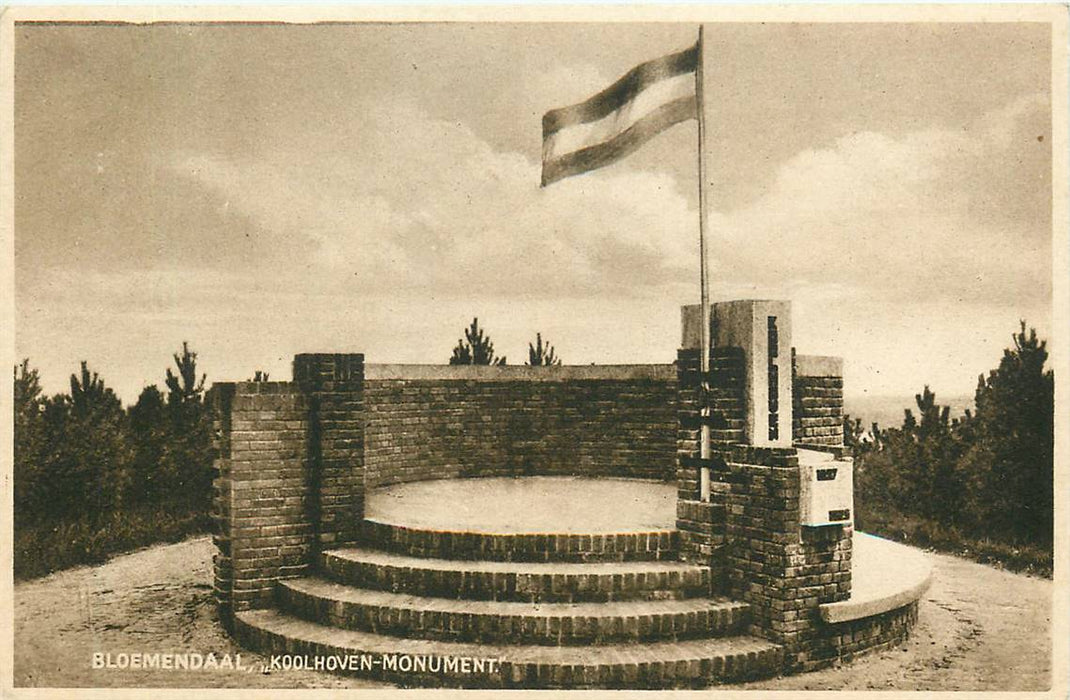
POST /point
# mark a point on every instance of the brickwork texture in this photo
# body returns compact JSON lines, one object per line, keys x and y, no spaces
{"x":334,"y":387}
{"x":783,"y":570}
{"x":817,"y":398}
{"x":263,"y":531}
{"x":749,"y":531}
{"x":449,"y":427}
{"x":294,"y":460}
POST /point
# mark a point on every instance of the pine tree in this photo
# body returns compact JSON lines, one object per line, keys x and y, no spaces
{"x":186,"y":462}
{"x":540,"y":355}
{"x":89,"y":394}
{"x":149,"y":431}
{"x":475,"y":349}
{"x":28,"y":442}
{"x":87,"y":457}
{"x":1013,"y":456}
{"x":184,"y":386}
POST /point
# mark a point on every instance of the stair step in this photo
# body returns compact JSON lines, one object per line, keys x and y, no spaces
{"x":534,"y":547}
{"x":555,"y":582}
{"x":412,"y":662}
{"x":405,"y":615}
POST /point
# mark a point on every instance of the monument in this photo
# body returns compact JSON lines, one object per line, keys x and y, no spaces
{"x":524,"y":527}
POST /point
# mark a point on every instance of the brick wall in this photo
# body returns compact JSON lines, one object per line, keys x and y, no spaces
{"x":818,"y":401}
{"x":291,"y":457}
{"x":749,"y":532}
{"x":701,"y":524}
{"x":783,"y":570}
{"x":438,"y":422}
{"x":263,"y":531}
{"x":334,"y":385}
{"x":289,"y":475}
{"x":844,"y":640}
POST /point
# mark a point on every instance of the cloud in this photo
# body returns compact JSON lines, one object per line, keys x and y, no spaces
{"x":424,"y":203}
{"x":931,"y":214}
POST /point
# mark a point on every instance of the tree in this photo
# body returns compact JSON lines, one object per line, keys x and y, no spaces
{"x":476,"y":349}
{"x":149,"y":433}
{"x":28,"y":438}
{"x":187,"y":457}
{"x":184,"y":387}
{"x":938,"y":485}
{"x":541,"y":356}
{"x":27,"y":390}
{"x":1013,"y":456}
{"x":85,"y":456}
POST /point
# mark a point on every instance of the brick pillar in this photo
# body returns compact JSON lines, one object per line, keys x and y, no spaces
{"x":761,"y":331}
{"x":220,"y":399}
{"x":751,"y":531}
{"x":688,"y":407}
{"x":818,"y":395}
{"x":702,"y":524}
{"x":334,"y":387}
{"x":783,"y":570}
{"x":262,"y":529}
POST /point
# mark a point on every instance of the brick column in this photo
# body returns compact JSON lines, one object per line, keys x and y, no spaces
{"x":220,"y":399}
{"x":334,"y":387}
{"x":259,"y":506}
{"x":783,"y":570}
{"x":751,"y":531}
{"x":818,"y":397}
{"x":702,"y":524}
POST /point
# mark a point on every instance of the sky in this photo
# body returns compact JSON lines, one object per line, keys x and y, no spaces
{"x":265,"y":190}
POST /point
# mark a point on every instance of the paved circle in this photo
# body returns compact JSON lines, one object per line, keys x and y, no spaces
{"x":535,"y":504}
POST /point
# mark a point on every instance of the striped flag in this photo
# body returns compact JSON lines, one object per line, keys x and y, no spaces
{"x":603,"y":129}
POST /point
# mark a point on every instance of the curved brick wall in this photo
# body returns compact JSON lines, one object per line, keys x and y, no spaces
{"x":844,"y":641}
{"x":440,"y":422}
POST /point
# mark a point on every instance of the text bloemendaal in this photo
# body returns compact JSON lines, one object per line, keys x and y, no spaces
{"x":168,"y":661}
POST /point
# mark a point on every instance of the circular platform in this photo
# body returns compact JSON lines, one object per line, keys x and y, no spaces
{"x":527,"y":505}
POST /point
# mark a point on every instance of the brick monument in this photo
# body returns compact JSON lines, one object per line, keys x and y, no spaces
{"x":754,"y":579}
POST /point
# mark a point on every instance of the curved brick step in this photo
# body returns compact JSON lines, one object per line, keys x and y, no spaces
{"x":403,"y":615}
{"x":412,"y":662}
{"x":518,"y":581}
{"x":487,"y":546}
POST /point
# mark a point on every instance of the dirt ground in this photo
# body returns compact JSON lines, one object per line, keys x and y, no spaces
{"x":979,"y":628}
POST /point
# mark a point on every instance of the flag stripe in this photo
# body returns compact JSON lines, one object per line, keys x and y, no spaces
{"x":613,"y":97}
{"x":602,"y":154}
{"x":577,"y":136}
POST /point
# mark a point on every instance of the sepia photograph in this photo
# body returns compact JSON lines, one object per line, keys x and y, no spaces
{"x":535,"y":348}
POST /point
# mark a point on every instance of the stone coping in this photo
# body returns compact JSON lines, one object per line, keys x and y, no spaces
{"x":809,"y":456}
{"x":885,"y":576}
{"x":818,"y":366}
{"x":837,"y":452}
{"x":519,"y":373}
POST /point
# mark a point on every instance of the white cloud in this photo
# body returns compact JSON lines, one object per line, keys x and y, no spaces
{"x":419,"y":203}
{"x":915,"y":216}
{"x":427,"y":204}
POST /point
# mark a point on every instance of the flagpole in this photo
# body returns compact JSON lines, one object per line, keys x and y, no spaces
{"x":704,"y":256}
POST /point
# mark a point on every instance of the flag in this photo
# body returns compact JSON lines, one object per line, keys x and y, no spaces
{"x":603,"y":129}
